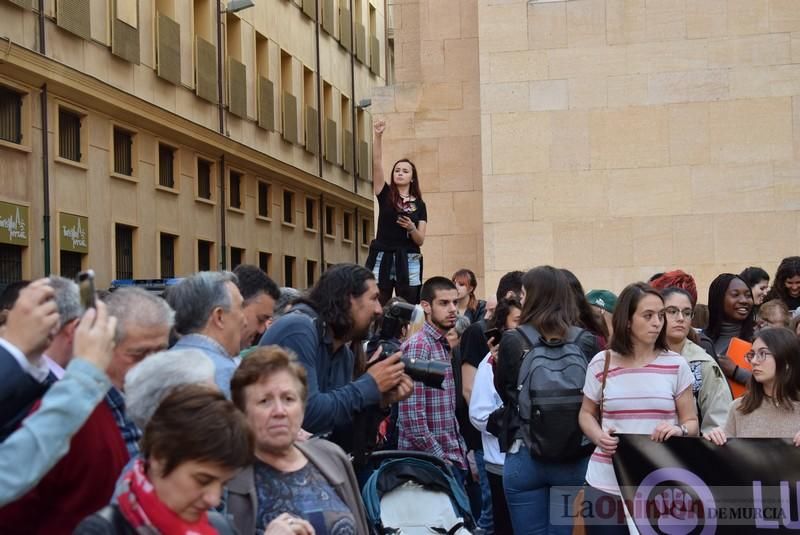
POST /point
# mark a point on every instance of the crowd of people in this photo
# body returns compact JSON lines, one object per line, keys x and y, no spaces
{"x":230,"y":405}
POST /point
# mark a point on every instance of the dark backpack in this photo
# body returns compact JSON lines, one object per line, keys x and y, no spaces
{"x":550,"y":394}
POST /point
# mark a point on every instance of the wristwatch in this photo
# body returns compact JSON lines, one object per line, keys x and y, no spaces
{"x":684,"y":430}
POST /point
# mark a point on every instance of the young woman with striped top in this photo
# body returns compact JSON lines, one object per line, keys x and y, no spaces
{"x":647,"y":391}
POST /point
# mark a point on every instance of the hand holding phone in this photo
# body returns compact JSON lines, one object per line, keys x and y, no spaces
{"x":495,"y":333}
{"x":85,"y":281}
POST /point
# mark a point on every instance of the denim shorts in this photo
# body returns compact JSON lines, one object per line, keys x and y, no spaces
{"x":414,"y":269}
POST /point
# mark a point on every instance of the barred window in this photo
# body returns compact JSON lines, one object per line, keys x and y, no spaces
{"x":204,"y":251}
{"x":288,"y":271}
{"x":264,"y":260}
{"x":263,"y":199}
{"x":347,"y":227}
{"x":123,"y":152}
{"x":166,"y":166}
{"x":10,"y":115}
{"x":69,"y":135}
{"x":311,"y":214}
{"x":235,"y":190}
{"x":167,"y":255}
{"x":203,"y":179}
{"x":124,"y":251}
{"x":237,"y":257}
{"x":288,"y":207}
{"x":71,"y":264}
{"x":330,"y":228}
{"x":10,"y":263}
{"x":311,"y":273}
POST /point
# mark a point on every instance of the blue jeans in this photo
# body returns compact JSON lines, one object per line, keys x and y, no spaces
{"x":486,"y":519}
{"x":531,"y":492}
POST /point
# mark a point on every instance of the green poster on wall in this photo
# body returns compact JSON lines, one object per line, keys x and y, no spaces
{"x":73,"y":233}
{"x":13,"y":224}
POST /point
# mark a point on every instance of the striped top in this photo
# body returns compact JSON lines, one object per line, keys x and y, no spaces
{"x":636,"y":400}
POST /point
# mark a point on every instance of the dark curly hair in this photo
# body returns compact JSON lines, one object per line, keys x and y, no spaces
{"x":330,"y":297}
{"x":788,"y":268}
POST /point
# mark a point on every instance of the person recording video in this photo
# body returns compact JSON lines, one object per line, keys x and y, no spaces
{"x":321,"y":329}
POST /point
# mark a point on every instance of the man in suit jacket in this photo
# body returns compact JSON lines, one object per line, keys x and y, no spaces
{"x":25,"y":335}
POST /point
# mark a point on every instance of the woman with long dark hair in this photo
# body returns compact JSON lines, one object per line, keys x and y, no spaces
{"x":787,"y":283}
{"x":730,"y":307}
{"x":549,"y":307}
{"x":771,"y":406}
{"x":394,"y":254}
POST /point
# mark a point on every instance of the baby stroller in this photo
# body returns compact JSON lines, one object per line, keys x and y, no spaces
{"x":414,"y":493}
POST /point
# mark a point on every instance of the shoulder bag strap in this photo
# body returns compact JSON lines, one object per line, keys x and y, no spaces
{"x":603,"y":387}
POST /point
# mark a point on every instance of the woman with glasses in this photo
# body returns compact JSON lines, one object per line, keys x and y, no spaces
{"x":711,"y":391}
{"x":647,"y":391}
{"x":771,"y":406}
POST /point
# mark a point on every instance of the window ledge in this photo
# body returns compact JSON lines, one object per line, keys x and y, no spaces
{"x":345,"y":240}
{"x":72,"y":163}
{"x":264,"y":218}
{"x":330,"y":236}
{"x":203,"y":200}
{"x":165,"y":189}
{"x":288,"y":224}
{"x":311,"y":230}
{"x":15,"y":146}
{"x":127,"y":178}
{"x":236,"y":210}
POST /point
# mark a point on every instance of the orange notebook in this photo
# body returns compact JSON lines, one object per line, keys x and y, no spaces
{"x":737,"y":349}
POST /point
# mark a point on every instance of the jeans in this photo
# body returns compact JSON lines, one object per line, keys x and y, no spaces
{"x":531,"y":487}
{"x":409,"y":292}
{"x":485,"y":520}
{"x":500,"y":516}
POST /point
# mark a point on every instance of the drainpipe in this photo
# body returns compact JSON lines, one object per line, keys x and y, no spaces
{"x":41,"y":28}
{"x":356,"y":237}
{"x":321,"y":233}
{"x":223,"y":262}
{"x":45,"y":177}
{"x":319,"y":94}
{"x":220,"y":103}
{"x":353,"y":101}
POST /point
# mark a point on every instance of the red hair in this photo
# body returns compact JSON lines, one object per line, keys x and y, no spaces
{"x":468,"y":279}
{"x":677,"y":279}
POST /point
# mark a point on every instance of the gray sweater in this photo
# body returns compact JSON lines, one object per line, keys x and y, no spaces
{"x":767,"y":421}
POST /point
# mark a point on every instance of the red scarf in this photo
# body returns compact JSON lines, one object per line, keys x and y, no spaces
{"x":146,"y":513}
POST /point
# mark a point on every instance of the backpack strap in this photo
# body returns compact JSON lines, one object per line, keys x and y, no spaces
{"x":530,"y":334}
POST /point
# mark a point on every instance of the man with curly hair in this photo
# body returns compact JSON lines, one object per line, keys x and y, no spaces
{"x":322,"y":329}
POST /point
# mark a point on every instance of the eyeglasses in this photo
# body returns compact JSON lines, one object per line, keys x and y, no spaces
{"x":672,"y":312}
{"x":761,"y":356}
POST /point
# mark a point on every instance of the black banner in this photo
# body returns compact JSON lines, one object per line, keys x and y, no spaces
{"x":690,"y":486}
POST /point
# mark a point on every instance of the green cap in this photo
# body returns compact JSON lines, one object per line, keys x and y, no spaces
{"x":603,"y":299}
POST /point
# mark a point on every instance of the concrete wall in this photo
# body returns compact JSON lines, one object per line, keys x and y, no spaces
{"x":624,"y":137}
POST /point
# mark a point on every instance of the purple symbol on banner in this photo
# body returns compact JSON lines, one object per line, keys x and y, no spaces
{"x":678,"y":510}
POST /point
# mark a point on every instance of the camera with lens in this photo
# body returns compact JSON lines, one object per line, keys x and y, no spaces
{"x":429,"y":372}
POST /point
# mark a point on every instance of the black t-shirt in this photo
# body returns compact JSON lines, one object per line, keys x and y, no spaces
{"x":473,"y":344}
{"x":390,"y":234}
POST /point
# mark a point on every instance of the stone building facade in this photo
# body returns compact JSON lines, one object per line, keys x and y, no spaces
{"x":618,"y":138}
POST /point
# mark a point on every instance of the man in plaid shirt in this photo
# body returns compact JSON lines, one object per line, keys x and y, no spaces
{"x":427,"y":419}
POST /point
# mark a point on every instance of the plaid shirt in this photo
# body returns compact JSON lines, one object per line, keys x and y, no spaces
{"x":427,"y":420}
{"x":129,"y":430}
